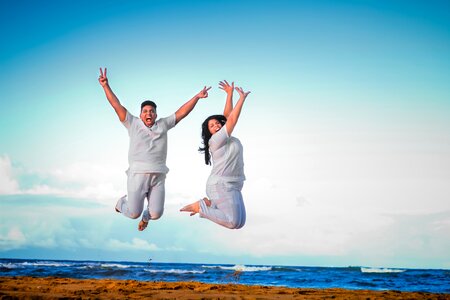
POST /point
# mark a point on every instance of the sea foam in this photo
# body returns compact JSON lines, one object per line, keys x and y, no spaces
{"x":240,"y":268}
{"x":175,"y":271}
{"x":381,"y":270}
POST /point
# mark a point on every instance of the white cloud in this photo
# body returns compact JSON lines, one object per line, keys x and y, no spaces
{"x":50,"y":226}
{"x":135,"y":244}
{"x":12,"y":239}
{"x":15,"y":234}
{"x":314,"y":230}
{"x":87,"y":173}
{"x":100,"y":183}
{"x":72,"y":228}
{"x":175,"y":249}
{"x":43,"y":190}
{"x":324,"y":192}
{"x":359,"y":236}
{"x":8,"y":185}
{"x":321,"y":196}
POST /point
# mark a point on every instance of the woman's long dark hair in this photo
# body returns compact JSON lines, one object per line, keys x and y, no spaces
{"x":206,"y":135}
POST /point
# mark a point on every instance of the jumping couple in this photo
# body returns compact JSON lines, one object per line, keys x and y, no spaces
{"x":148,"y":151}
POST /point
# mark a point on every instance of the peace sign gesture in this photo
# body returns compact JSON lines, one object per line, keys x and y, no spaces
{"x":203,"y":93}
{"x":102,"y":78}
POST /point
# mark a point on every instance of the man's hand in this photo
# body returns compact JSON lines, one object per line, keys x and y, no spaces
{"x":102,"y":78}
{"x":115,"y":103}
{"x":203,"y":93}
{"x":184,"y":110}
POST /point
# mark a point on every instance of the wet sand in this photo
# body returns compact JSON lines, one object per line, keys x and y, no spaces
{"x":67,"y":288}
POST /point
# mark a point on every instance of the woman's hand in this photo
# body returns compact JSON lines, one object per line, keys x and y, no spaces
{"x":224,"y":85}
{"x":241,"y":92}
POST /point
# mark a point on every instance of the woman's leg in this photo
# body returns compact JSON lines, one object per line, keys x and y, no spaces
{"x":227,"y":205}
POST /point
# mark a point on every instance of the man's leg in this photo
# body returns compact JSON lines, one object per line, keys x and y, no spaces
{"x":155,"y":197}
{"x":137,"y":187}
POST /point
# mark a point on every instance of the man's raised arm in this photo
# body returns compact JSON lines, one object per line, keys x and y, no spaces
{"x":184,"y":110}
{"x":112,"y":98}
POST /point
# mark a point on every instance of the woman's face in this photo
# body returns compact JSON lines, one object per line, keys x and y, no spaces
{"x":214,"y":126}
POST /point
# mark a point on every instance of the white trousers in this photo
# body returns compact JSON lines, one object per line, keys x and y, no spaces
{"x":139,"y":187}
{"x":227,"y":206}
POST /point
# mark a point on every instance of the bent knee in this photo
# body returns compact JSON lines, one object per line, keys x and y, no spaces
{"x":135,"y":215}
{"x":240,"y":225}
{"x":235,"y":224}
{"x":155,"y":215}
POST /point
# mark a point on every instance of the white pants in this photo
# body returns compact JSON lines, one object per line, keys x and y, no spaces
{"x":139,"y":187}
{"x":227,"y":206}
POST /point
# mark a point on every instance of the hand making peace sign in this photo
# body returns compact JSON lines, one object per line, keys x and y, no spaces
{"x":204,"y":93}
{"x":102,"y":78}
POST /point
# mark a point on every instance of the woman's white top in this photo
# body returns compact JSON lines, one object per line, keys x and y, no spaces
{"x":227,"y":158}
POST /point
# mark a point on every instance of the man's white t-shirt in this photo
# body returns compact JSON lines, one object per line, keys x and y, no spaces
{"x":227,"y":157}
{"x":148,"y":145}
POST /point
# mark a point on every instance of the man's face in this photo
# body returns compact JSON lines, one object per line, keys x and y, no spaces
{"x":148,"y":115}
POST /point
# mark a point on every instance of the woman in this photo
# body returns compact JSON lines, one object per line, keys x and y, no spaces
{"x":224,"y":204}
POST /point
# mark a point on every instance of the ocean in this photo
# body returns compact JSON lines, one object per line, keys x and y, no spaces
{"x":354,"y":278}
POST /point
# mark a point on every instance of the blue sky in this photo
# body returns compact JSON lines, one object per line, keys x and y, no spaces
{"x":346,"y":132}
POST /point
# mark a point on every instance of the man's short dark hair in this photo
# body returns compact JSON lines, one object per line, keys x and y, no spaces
{"x":148,"y":102}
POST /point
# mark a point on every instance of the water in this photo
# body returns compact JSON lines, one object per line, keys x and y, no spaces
{"x":413,"y":280}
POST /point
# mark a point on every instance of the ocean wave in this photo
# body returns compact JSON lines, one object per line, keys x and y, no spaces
{"x":10,"y":266}
{"x":285,"y":269}
{"x":104,"y":266}
{"x":351,"y":277}
{"x":353,"y":268}
{"x":88,"y":267}
{"x":115,"y":266}
{"x":381,"y":270}
{"x":175,"y":271}
{"x":240,"y":268}
{"x":46,"y":264}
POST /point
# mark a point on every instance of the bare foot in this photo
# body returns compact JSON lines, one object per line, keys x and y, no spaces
{"x":142,"y":225}
{"x":207,"y":201}
{"x":194,"y":208}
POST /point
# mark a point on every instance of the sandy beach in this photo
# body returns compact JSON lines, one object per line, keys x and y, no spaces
{"x":56,"y":288}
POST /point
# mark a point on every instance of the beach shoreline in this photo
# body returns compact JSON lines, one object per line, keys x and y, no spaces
{"x":25,"y":287}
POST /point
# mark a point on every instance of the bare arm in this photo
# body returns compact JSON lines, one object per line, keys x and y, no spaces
{"x":113,"y":100}
{"x":234,"y":115}
{"x":184,"y":110}
{"x":229,"y":89}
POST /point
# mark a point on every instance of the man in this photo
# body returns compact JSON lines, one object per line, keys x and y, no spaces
{"x":147,"y":154}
